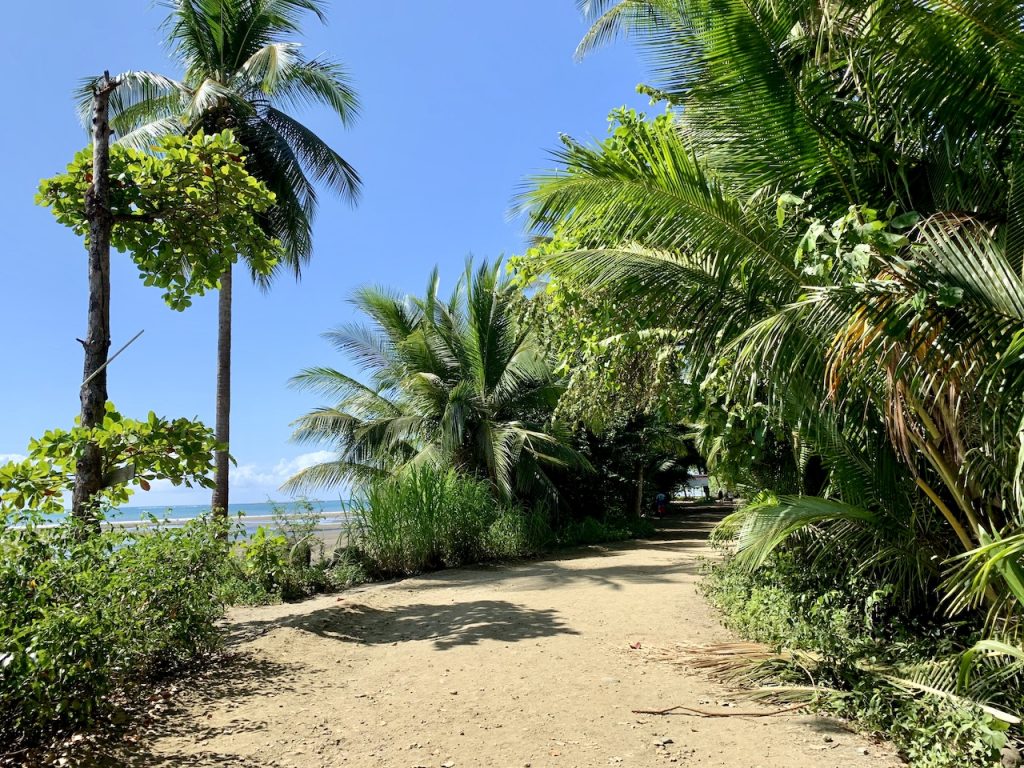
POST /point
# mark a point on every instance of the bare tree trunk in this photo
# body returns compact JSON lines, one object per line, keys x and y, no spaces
{"x":223,"y":427}
{"x":638,"y":504}
{"x":93,"y":394}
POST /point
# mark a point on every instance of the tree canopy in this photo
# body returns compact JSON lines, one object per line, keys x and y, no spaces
{"x":184,"y":211}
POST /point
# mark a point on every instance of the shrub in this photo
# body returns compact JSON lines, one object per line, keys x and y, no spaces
{"x":518,"y":533}
{"x":422,"y":520}
{"x":860,"y":644}
{"x":288,"y":562}
{"x":589,"y":530}
{"x":82,"y":616}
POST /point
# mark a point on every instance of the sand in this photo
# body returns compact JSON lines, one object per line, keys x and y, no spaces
{"x":522,"y":665}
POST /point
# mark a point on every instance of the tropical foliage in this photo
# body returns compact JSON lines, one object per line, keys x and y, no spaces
{"x":185,"y":211}
{"x":133,"y":453}
{"x":243,"y":72}
{"x":85,"y":616}
{"x":457,"y":383}
{"x":828,"y":215}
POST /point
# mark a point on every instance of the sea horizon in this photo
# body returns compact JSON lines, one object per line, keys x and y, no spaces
{"x":135,"y":512}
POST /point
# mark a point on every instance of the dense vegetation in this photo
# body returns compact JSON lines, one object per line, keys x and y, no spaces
{"x":823,"y":228}
{"x":85,"y":616}
{"x":805,"y":273}
{"x":453,"y":442}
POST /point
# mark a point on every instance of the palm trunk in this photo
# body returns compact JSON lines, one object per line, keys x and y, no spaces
{"x":93,"y":394}
{"x":638,"y":504}
{"x":223,"y":427}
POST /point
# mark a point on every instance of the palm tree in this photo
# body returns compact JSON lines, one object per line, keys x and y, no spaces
{"x":458,"y":383}
{"x":243,"y":73}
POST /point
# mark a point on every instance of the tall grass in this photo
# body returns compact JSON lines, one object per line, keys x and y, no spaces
{"x":430,"y":518}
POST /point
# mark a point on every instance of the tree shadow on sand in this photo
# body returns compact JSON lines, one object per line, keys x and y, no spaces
{"x":448,"y":626}
{"x":234,"y":677}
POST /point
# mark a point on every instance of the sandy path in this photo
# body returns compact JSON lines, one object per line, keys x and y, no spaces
{"x":527,"y":665}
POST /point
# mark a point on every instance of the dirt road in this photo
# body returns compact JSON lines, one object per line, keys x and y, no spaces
{"x":525,"y":665}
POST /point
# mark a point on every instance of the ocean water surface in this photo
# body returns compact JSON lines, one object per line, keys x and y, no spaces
{"x":264,"y":510}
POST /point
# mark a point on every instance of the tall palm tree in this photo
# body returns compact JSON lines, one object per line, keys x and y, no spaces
{"x":242,"y":72}
{"x":460,"y":383}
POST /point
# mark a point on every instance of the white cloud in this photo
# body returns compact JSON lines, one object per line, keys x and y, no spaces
{"x":286,"y":468}
{"x":250,"y":482}
{"x":264,"y":477}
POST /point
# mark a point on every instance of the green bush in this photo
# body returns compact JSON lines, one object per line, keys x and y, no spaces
{"x":518,"y":533}
{"x":589,"y":530}
{"x":82,"y":616}
{"x":858,"y":636}
{"x":288,"y":562}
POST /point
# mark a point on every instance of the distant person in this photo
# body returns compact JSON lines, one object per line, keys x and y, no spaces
{"x":721,"y":494}
{"x":707,"y":493}
{"x":660,"y":504}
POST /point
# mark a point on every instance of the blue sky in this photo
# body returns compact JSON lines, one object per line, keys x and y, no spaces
{"x":462,"y":100}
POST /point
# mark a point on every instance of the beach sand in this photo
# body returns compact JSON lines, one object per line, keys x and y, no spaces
{"x":529,"y":664}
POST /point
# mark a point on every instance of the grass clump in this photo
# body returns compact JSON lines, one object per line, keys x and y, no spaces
{"x":430,"y":518}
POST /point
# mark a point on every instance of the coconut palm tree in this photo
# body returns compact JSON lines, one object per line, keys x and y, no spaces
{"x":460,"y":383}
{"x":243,"y":72}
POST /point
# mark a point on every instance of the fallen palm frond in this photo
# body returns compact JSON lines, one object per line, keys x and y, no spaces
{"x":746,"y":663}
{"x":706,"y":713}
{"x":947,"y":678}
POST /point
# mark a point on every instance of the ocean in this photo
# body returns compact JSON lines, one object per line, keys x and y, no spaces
{"x":335,"y":515}
{"x":134,"y":514}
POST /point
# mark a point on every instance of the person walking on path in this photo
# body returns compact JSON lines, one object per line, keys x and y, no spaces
{"x":660,"y":504}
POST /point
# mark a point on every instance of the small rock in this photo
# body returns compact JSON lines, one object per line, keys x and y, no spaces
{"x":448,"y":764}
{"x":863,"y":751}
{"x":1011,"y":757}
{"x":828,"y":739}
